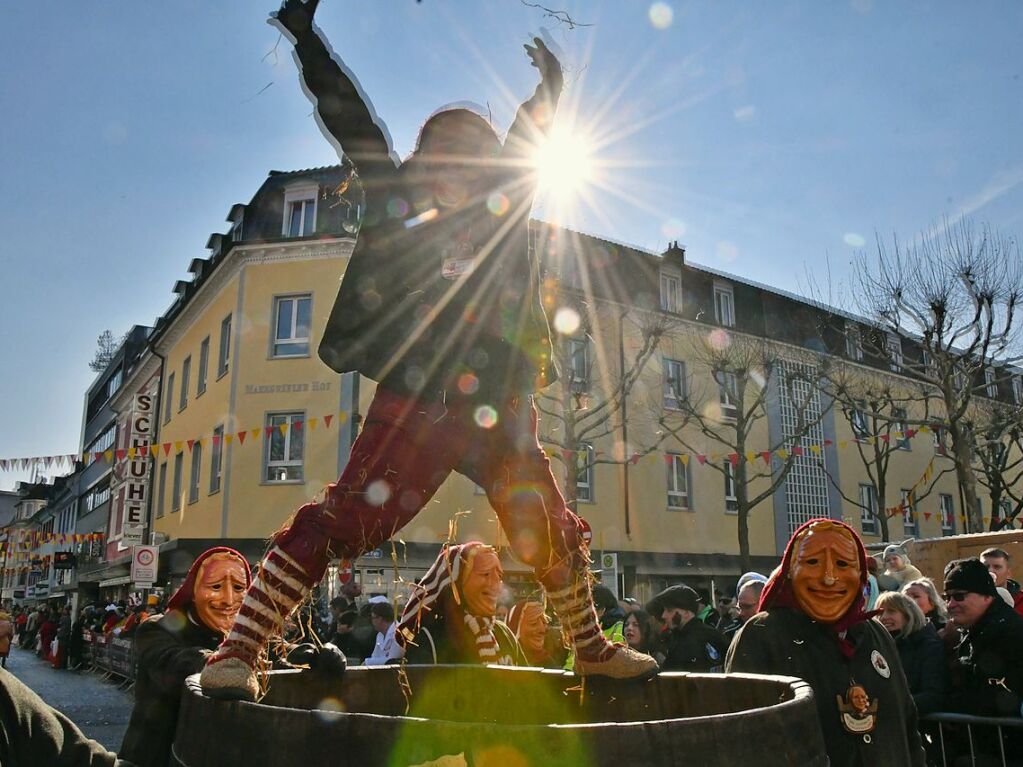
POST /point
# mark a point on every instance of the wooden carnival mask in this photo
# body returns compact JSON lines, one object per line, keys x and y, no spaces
{"x":825,"y":572}
{"x":533,"y":628}
{"x":219,"y":589}
{"x":482,"y":582}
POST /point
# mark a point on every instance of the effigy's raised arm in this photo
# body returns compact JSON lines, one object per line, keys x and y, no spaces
{"x":343,"y":109}
{"x":535,"y":116}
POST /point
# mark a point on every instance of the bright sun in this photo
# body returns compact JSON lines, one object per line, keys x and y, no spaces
{"x":565,"y":165}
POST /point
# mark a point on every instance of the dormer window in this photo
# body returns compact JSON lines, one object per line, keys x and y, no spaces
{"x":300,"y":211}
{"x":853,"y":342}
{"x":893,"y":346}
{"x":724,"y":304}
{"x":670,"y":292}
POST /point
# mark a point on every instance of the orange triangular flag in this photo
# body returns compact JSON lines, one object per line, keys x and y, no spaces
{"x":327,"y":419}
{"x":241,"y":437}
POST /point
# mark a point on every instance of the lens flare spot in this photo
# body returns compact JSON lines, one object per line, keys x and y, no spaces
{"x":566,"y":321}
{"x":328,"y":708}
{"x":498,"y":204}
{"x":673,"y":228}
{"x":726,"y":251}
{"x":378,"y":492}
{"x":410,"y":500}
{"x":853,"y":240}
{"x":719,"y":339}
{"x":485,"y":417}
{"x":397,"y":207}
{"x":661,"y":15}
{"x":468,"y":383}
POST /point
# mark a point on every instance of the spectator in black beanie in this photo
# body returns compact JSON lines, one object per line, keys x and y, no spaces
{"x":988,"y":669}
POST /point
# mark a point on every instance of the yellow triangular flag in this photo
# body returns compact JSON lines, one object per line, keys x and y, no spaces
{"x":254,"y":433}
{"x":685,"y":459}
{"x":178,"y":446}
{"x":342,"y":417}
{"x":228,"y":438}
{"x":842,"y":443}
{"x":131,"y":454}
{"x":815,"y":449}
{"x":283,"y":427}
{"x":109,"y":455}
{"x":153,"y":450}
{"x":311,"y":423}
{"x":783,"y":454}
{"x":751,"y":457}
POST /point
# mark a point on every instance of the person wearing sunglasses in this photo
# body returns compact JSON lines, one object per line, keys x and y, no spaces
{"x":987,"y":668}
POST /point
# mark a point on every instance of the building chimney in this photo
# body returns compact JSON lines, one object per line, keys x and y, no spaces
{"x":675,"y":254}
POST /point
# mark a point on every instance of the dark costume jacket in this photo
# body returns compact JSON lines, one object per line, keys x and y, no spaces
{"x":33,"y":734}
{"x":923,"y":660}
{"x":694,"y":647}
{"x":168,"y":650}
{"x":987,"y":670}
{"x":786,"y":641}
{"x":435,"y":644}
{"x":402,"y":317}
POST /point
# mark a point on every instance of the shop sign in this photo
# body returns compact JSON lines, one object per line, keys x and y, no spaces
{"x":63,"y":560}
{"x":136,"y":488}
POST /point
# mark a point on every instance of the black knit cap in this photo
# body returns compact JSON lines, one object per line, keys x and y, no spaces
{"x":680,"y":596}
{"x":969,"y":575}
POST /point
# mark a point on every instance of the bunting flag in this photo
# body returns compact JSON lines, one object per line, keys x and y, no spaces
{"x":110,"y":455}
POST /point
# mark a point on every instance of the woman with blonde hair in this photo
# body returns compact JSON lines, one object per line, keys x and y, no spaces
{"x":920,"y":649}
{"x":923,"y":592}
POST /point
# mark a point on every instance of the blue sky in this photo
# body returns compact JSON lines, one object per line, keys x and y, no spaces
{"x":766,"y":137}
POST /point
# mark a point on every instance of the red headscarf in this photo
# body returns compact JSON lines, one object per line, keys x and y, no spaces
{"x":185,"y":594}
{"x":778,"y":591}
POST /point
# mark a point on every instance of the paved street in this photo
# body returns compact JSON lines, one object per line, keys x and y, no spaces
{"x":97,"y":707}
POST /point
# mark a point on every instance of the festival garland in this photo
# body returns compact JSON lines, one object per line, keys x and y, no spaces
{"x":129,"y":454}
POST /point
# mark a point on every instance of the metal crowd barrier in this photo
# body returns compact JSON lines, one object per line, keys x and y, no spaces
{"x":961,"y":740}
{"x":111,"y":656}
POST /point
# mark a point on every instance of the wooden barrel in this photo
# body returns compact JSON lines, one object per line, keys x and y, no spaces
{"x":489,"y":716}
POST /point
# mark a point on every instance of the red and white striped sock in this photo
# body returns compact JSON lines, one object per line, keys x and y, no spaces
{"x":276,"y":591}
{"x":574,"y":606}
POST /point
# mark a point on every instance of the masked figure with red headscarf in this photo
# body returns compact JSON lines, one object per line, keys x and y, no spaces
{"x":175,"y":645}
{"x":440,"y":305}
{"x":812,"y":625}
{"x":450,"y":616}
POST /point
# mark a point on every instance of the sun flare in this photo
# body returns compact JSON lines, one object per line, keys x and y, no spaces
{"x":564,"y":164}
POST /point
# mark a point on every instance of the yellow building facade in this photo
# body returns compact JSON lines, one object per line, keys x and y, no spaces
{"x":252,"y":425}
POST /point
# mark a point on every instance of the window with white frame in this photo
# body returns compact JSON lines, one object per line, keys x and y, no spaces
{"x":236,"y":228}
{"x":670,"y":293}
{"x":216,"y":458}
{"x":893,"y":346}
{"x":168,"y":395}
{"x":300,"y":211}
{"x":186,"y":371}
{"x":731,"y":500}
{"x":678,"y":482}
{"x":193,"y":480}
{"x":989,"y":383}
{"x":868,"y":509}
{"x":900,"y":427}
{"x":179,"y":465}
{"x":909,"y":520}
{"x":102,"y":443}
{"x":579,"y":362}
{"x":292,"y":318}
{"x":938,"y":436}
{"x":1004,"y":509}
{"x":1017,"y":389}
{"x":926,"y":361}
{"x":161,"y":490}
{"x":728,"y":395}
{"x":858,"y":420}
{"x":584,"y":476}
{"x":285,"y":448}
{"x":948,"y":514}
{"x":853,"y":341}
{"x":225,"y":346}
{"x":674,"y":383}
{"x":724,"y":304}
{"x":204,"y":363}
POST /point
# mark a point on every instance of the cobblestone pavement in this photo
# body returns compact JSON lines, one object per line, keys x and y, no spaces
{"x":97,"y":707}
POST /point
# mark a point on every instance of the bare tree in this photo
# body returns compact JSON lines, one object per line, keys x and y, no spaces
{"x":956,"y":292}
{"x":878,"y":415}
{"x":106,"y":348}
{"x":599,"y":371}
{"x":998,"y":454}
{"x":745,"y":373}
